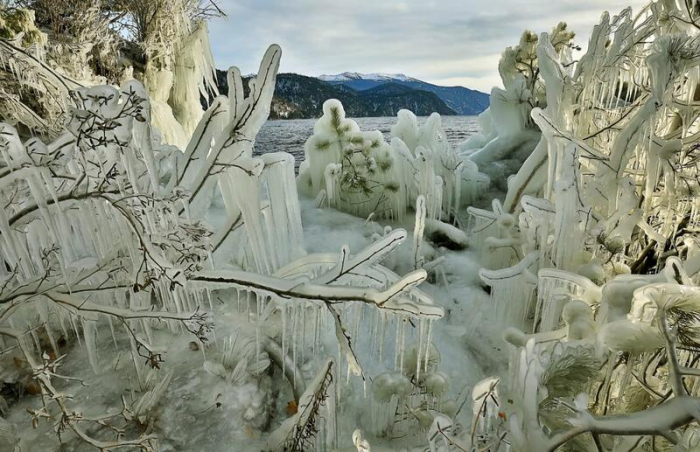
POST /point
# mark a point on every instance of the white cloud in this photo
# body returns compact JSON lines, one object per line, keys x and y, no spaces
{"x":441,"y":41}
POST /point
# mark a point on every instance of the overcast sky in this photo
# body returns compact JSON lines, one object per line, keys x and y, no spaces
{"x":446,"y":42}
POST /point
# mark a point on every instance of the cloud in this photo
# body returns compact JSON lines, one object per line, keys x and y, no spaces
{"x":441,"y":41}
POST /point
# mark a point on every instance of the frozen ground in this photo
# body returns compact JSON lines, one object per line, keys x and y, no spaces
{"x":203,"y":412}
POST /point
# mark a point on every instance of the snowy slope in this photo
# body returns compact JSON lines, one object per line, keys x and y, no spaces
{"x":463,"y":100}
{"x":348,"y":76}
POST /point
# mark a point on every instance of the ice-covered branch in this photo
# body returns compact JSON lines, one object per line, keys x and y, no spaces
{"x":331,"y":294}
{"x":43,"y":372}
{"x":243,"y":118}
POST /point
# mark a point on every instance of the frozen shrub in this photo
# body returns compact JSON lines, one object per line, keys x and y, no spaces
{"x":601,"y":359}
{"x":359,"y":173}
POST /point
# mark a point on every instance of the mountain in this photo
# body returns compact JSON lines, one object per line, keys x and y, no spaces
{"x":298,"y":96}
{"x":388,"y":98}
{"x":463,"y":100}
{"x":361,"y":82}
{"x":347,"y":76}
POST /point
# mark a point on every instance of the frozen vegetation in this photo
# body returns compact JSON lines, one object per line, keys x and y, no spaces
{"x":163,"y":288}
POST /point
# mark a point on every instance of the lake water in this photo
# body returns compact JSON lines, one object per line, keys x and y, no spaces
{"x":289,"y":135}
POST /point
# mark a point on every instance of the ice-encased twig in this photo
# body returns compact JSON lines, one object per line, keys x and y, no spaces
{"x":295,"y":433}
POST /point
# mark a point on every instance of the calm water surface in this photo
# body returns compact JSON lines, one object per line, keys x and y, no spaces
{"x":289,"y":135}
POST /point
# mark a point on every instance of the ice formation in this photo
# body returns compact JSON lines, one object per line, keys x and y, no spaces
{"x":22,"y":56}
{"x":115,"y":242}
{"x":359,"y":173}
{"x":108,"y":228}
{"x":165,"y":45}
{"x":592,"y":223}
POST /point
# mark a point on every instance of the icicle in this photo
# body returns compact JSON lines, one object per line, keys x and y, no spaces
{"x":111,"y":329}
{"x":428,"y":345}
{"x":317,"y":314}
{"x":247,"y":305}
{"x":283,"y":310}
{"x":373,"y":332}
{"x":421,"y":327}
{"x":418,"y":232}
{"x":75,"y":329}
{"x":303,"y":334}
{"x":402,"y":344}
{"x":382,"y":338}
{"x":294,"y":342}
{"x":90,"y":333}
{"x":359,"y":316}
{"x":397,"y":342}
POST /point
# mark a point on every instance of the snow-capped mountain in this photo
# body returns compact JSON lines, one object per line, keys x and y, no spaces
{"x":298,"y":96}
{"x":348,"y":76}
{"x":377,"y":94}
{"x":463,"y":101}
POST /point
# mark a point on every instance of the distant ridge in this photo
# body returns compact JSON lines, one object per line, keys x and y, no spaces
{"x":349,"y":76}
{"x":366,"y":95}
{"x":463,"y":101}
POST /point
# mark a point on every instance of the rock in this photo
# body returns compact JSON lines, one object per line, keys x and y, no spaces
{"x":446,"y":235}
